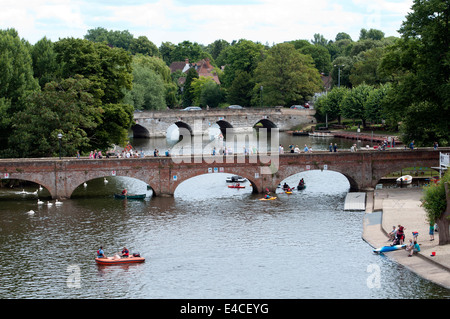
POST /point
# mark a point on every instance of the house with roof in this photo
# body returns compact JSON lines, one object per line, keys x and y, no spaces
{"x":203,"y":68}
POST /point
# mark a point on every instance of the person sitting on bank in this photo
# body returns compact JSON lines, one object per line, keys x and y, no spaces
{"x":124,"y":192}
{"x":415,"y":249}
{"x":125,"y":253}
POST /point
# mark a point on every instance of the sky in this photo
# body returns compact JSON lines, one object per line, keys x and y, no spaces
{"x":203,"y":21}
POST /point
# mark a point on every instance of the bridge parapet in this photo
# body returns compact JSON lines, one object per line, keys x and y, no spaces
{"x":363,"y":168}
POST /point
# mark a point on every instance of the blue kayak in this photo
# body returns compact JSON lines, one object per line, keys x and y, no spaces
{"x":388,"y":248}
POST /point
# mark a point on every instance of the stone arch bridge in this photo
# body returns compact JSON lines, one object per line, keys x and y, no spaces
{"x":363,"y":169}
{"x":156,"y":123}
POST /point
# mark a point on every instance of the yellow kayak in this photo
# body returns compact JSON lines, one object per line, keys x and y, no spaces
{"x":271,"y":198}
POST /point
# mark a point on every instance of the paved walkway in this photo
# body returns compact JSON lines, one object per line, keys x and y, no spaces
{"x":388,"y":207}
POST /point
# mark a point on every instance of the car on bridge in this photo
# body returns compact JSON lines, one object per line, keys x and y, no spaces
{"x":192,"y":108}
{"x":235,"y":107}
{"x":297,"y":107}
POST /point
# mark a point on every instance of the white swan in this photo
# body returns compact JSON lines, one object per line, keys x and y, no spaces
{"x":35,"y":192}
{"x":49,"y":204}
{"x":57,"y":202}
{"x":85,"y":185}
{"x":40,"y":187}
{"x":30,"y":212}
{"x":105,"y":180}
{"x":40,"y":202}
{"x":23,"y":192}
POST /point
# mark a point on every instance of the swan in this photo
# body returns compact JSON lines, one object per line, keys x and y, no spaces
{"x":105,"y":180}
{"x":49,"y":204}
{"x":85,"y":185}
{"x":57,"y":202}
{"x":40,"y":202}
{"x":23,"y":192}
{"x":35,"y":192}
{"x":30,"y":212}
{"x":40,"y":187}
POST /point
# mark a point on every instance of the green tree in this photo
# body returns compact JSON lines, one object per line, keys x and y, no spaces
{"x":143,"y":46}
{"x":377,"y":103}
{"x":45,"y":67}
{"x":16,"y":82}
{"x":354,"y":103}
{"x":366,"y":68}
{"x":61,"y":107}
{"x":436,"y":202}
{"x":188,"y":94}
{"x":419,"y":64}
{"x":321,"y":57}
{"x":331,"y":103}
{"x":287,"y":76}
{"x":373,"y":34}
{"x":240,"y":91}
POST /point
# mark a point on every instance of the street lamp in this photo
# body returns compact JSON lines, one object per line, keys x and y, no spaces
{"x":261,"y":96}
{"x":59,"y":138}
{"x":339,"y":73}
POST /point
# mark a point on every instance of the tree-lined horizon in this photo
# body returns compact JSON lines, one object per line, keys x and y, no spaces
{"x":104,"y":77}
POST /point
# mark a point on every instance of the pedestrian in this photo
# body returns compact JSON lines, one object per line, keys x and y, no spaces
{"x":393,"y":233}
{"x":331,"y":147}
{"x":415,"y":249}
{"x":435,"y":145}
{"x":411,"y":145}
{"x":431,"y":231}
{"x":306,"y":149}
{"x":401,"y":234}
{"x":335,"y":147}
{"x":78,"y":154}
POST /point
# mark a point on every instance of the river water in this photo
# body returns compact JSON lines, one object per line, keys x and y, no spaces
{"x":208,"y":241}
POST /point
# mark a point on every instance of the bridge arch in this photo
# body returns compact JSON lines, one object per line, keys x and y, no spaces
{"x":265,"y":123}
{"x":224,"y":126}
{"x":140,"y":131}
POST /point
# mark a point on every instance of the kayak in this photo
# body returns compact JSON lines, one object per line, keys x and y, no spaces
{"x":388,"y":248}
{"x":301,"y":187}
{"x":233,"y":186}
{"x":271,"y":198}
{"x":118,"y":261}
{"x":130,"y":196}
{"x":288,"y":192}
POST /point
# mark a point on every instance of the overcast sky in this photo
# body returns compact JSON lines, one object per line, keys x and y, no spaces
{"x":203,"y":21}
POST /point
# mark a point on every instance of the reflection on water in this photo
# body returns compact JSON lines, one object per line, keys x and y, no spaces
{"x":208,"y":241}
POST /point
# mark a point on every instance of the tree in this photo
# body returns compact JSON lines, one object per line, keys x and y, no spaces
{"x":436,"y":202}
{"x":321,"y":57}
{"x":61,"y":107}
{"x":188,"y":95}
{"x":354,"y":103}
{"x":419,"y":64}
{"x":240,"y":91}
{"x":16,"y":82}
{"x":366,"y":68}
{"x":144,"y":46}
{"x":45,"y":67}
{"x":243,"y":56}
{"x":287,"y":76}
{"x":377,"y":103}
{"x":331,"y":103}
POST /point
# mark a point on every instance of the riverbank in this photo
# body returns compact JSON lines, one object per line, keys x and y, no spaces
{"x":386,"y":208}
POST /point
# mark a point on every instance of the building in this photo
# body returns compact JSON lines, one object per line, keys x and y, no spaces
{"x":203,"y":68}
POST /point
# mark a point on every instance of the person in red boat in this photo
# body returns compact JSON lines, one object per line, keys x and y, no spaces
{"x":125,"y":253}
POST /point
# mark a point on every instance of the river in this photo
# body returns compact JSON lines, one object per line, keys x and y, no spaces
{"x":208,"y":241}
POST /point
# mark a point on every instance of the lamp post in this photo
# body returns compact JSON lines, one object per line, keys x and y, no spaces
{"x":339,"y":73}
{"x":59,"y":138}
{"x":261,"y":96}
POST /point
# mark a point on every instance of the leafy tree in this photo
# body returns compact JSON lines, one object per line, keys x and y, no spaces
{"x":343,"y":36}
{"x":377,"y":103}
{"x":144,"y":46}
{"x":330,"y":103}
{"x":373,"y":34}
{"x":242,"y":56}
{"x":240,"y":91}
{"x":345,"y":64}
{"x":61,"y":107}
{"x":148,"y":90}
{"x":16,"y":81}
{"x":354,"y":103}
{"x":216,"y":48}
{"x":319,"y":39}
{"x":45,"y":67}
{"x":188,"y":94}
{"x":120,"y":39}
{"x":321,"y":57}
{"x":287,"y":76}
{"x":419,"y":64}
{"x":366,"y":68}
{"x":436,"y":202}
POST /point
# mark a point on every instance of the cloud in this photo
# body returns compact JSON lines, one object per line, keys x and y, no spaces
{"x":203,"y":21}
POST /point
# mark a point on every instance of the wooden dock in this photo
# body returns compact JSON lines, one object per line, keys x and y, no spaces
{"x":355,"y":201}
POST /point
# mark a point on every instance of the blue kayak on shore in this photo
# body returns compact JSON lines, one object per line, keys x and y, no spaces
{"x":388,"y":248}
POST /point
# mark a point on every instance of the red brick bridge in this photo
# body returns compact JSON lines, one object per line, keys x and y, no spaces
{"x":363,"y":169}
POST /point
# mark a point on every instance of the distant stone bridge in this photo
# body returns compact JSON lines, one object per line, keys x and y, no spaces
{"x":363,"y":169}
{"x":156,"y":123}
